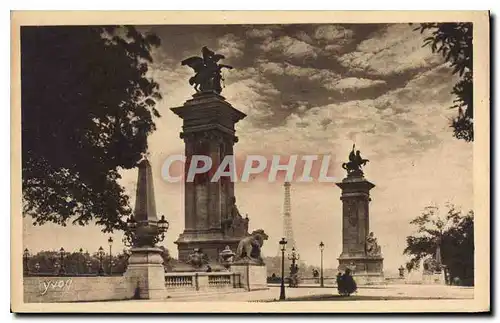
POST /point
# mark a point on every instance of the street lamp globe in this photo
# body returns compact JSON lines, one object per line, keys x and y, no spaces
{"x":321,"y":245}
{"x":283,"y":243}
{"x":110,"y":241}
{"x":293,"y":255}
{"x":163,"y":224}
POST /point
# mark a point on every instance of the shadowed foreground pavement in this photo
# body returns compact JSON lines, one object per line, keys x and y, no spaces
{"x":315,"y":294}
{"x":370,"y":293}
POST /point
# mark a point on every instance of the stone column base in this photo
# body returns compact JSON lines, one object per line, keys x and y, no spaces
{"x":211,"y":244}
{"x":146,"y":272}
{"x":252,"y":276}
{"x":366,"y":270}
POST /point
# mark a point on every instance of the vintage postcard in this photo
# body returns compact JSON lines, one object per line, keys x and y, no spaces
{"x":250,"y":162}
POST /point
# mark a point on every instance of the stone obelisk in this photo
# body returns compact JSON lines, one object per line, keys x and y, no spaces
{"x":360,"y":250}
{"x":212,"y":220}
{"x":145,"y":265}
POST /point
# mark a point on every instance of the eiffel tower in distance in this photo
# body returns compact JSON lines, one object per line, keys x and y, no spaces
{"x":287,"y":219}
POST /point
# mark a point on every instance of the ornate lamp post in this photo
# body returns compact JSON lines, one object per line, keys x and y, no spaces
{"x":283,"y":248}
{"x":321,"y":248}
{"x":100,"y":254}
{"x":61,"y":255}
{"x":26,"y":255}
{"x":294,"y":256}
{"x":110,"y":242}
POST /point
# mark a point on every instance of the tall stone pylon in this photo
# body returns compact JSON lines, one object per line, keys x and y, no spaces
{"x":212,"y":219}
{"x":360,"y":250}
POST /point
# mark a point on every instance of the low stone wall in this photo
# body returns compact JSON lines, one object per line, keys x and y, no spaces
{"x":434,"y":279}
{"x":194,"y":281}
{"x":52,"y":289}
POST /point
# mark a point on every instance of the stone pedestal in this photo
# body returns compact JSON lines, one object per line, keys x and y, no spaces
{"x":436,"y":278}
{"x":365,"y":262}
{"x":210,"y":220}
{"x":211,"y":244}
{"x":252,"y":276}
{"x":146,"y":272}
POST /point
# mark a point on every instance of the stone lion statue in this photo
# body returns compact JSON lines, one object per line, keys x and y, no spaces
{"x":250,"y":246}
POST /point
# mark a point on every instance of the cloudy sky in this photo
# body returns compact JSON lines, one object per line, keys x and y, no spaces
{"x":313,"y":89}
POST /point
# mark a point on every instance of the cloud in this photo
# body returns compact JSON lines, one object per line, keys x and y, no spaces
{"x":271,"y":67}
{"x":401,"y":122}
{"x":333,"y":38}
{"x":333,"y":48}
{"x":290,"y":70}
{"x":230,"y":46}
{"x":423,"y":93}
{"x":251,"y":96}
{"x":259,"y":33}
{"x":353,"y":83}
{"x":396,"y":49}
{"x":290,"y":47}
{"x":302,"y":35}
{"x":333,"y":33}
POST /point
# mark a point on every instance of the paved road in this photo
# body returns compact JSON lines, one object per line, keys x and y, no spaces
{"x":363,"y":293}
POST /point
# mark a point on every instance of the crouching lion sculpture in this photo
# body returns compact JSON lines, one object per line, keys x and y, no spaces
{"x":250,"y":247}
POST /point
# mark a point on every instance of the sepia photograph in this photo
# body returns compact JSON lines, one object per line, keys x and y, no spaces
{"x":337,"y":162}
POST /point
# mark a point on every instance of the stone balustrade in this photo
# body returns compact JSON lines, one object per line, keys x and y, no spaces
{"x":202,"y":280}
{"x":179,"y":281}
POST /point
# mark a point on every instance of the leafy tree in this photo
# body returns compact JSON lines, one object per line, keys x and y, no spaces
{"x":454,"y":42}
{"x":79,"y":262}
{"x":455,"y":231}
{"x":87,"y":108}
{"x":75,"y":263}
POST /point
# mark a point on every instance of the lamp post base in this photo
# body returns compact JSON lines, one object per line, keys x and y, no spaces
{"x":282,"y":293}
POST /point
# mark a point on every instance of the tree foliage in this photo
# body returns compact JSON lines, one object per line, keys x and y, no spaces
{"x":454,"y":42}
{"x":454,"y":232}
{"x":87,"y":108}
{"x":77,"y":263}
